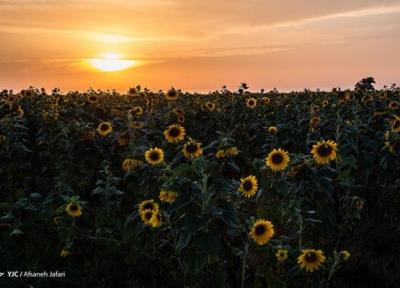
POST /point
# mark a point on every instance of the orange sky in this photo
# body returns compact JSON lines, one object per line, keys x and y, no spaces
{"x":199,"y":45}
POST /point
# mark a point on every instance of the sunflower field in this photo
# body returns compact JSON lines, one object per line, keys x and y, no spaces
{"x":225,"y":189}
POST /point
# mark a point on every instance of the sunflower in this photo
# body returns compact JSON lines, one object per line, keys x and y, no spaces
{"x":315,"y":108}
{"x":171,"y":95}
{"x":393,"y":105}
{"x":277,"y":159}
{"x":231,"y":151}
{"x":137,"y":125}
{"x":147,"y":215}
{"x":148,"y":205}
{"x":65,"y":253}
{"x":314,"y":121}
{"x":104,"y":128}
{"x":281,"y":255}
{"x":324,"y":151}
{"x":192,"y":149}
{"x":73,"y":209}
{"x":266,"y":100}
{"x":262,"y":231}
{"x":131,"y":164}
{"x":325,"y":103}
{"x":123,"y":139}
{"x":251,"y":103}
{"x":20,"y":112}
{"x":181,"y":119}
{"x":344,"y":254}
{"x":88,"y":134}
{"x":155,"y":220}
{"x":174,"y":133}
{"x":137,"y":111}
{"x":272,"y":130}
{"x":210,"y":106}
{"x":396,"y":124}
{"x":154,"y":156}
{"x":167,"y":196}
{"x":93,"y":99}
{"x":311,"y":259}
{"x":248,"y":186}
{"x":178,"y":111}
{"x":220,"y":154}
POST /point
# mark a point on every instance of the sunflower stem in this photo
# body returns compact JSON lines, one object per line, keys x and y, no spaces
{"x":246,"y":251}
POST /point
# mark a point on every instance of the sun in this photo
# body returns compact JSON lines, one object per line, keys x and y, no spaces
{"x":109,"y":62}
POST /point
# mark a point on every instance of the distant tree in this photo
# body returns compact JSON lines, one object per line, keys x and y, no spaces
{"x":365,"y":84}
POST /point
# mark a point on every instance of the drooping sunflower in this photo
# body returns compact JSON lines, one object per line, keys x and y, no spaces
{"x":272,"y":130}
{"x":88,"y":134}
{"x":344,"y":254}
{"x":174,"y":133}
{"x":396,"y":125}
{"x":248,"y":186}
{"x":192,"y":149}
{"x":167,"y":196}
{"x":314,"y":121}
{"x":137,"y":111}
{"x":251,"y":102}
{"x":311,"y":259}
{"x":231,"y":151}
{"x":131,"y":164}
{"x":154,"y":156}
{"x":124,"y":139}
{"x":178,"y":111}
{"x":324,"y":151}
{"x":137,"y":125}
{"x":220,"y":154}
{"x":104,"y":128}
{"x":65,"y":253}
{"x":277,"y":159}
{"x":262,"y":231}
{"x":73,"y":209}
{"x":281,"y":255}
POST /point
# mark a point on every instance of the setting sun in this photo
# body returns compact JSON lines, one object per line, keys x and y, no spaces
{"x":110,"y":62}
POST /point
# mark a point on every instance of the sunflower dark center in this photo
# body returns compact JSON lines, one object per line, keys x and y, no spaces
{"x":174,"y":132}
{"x":324,"y":150}
{"x":311,"y":257}
{"x":277,"y":158}
{"x":148,"y":215}
{"x":247,"y":185}
{"x":396,"y":124}
{"x":260,"y":230}
{"x":73,"y":207}
{"x":104,"y":127}
{"x":171,"y":93}
{"x":191,"y":148}
{"x":154,"y":156}
{"x":251,"y":102}
{"x":148,"y":206}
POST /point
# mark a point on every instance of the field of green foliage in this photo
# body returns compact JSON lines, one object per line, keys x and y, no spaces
{"x":225,"y":189}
